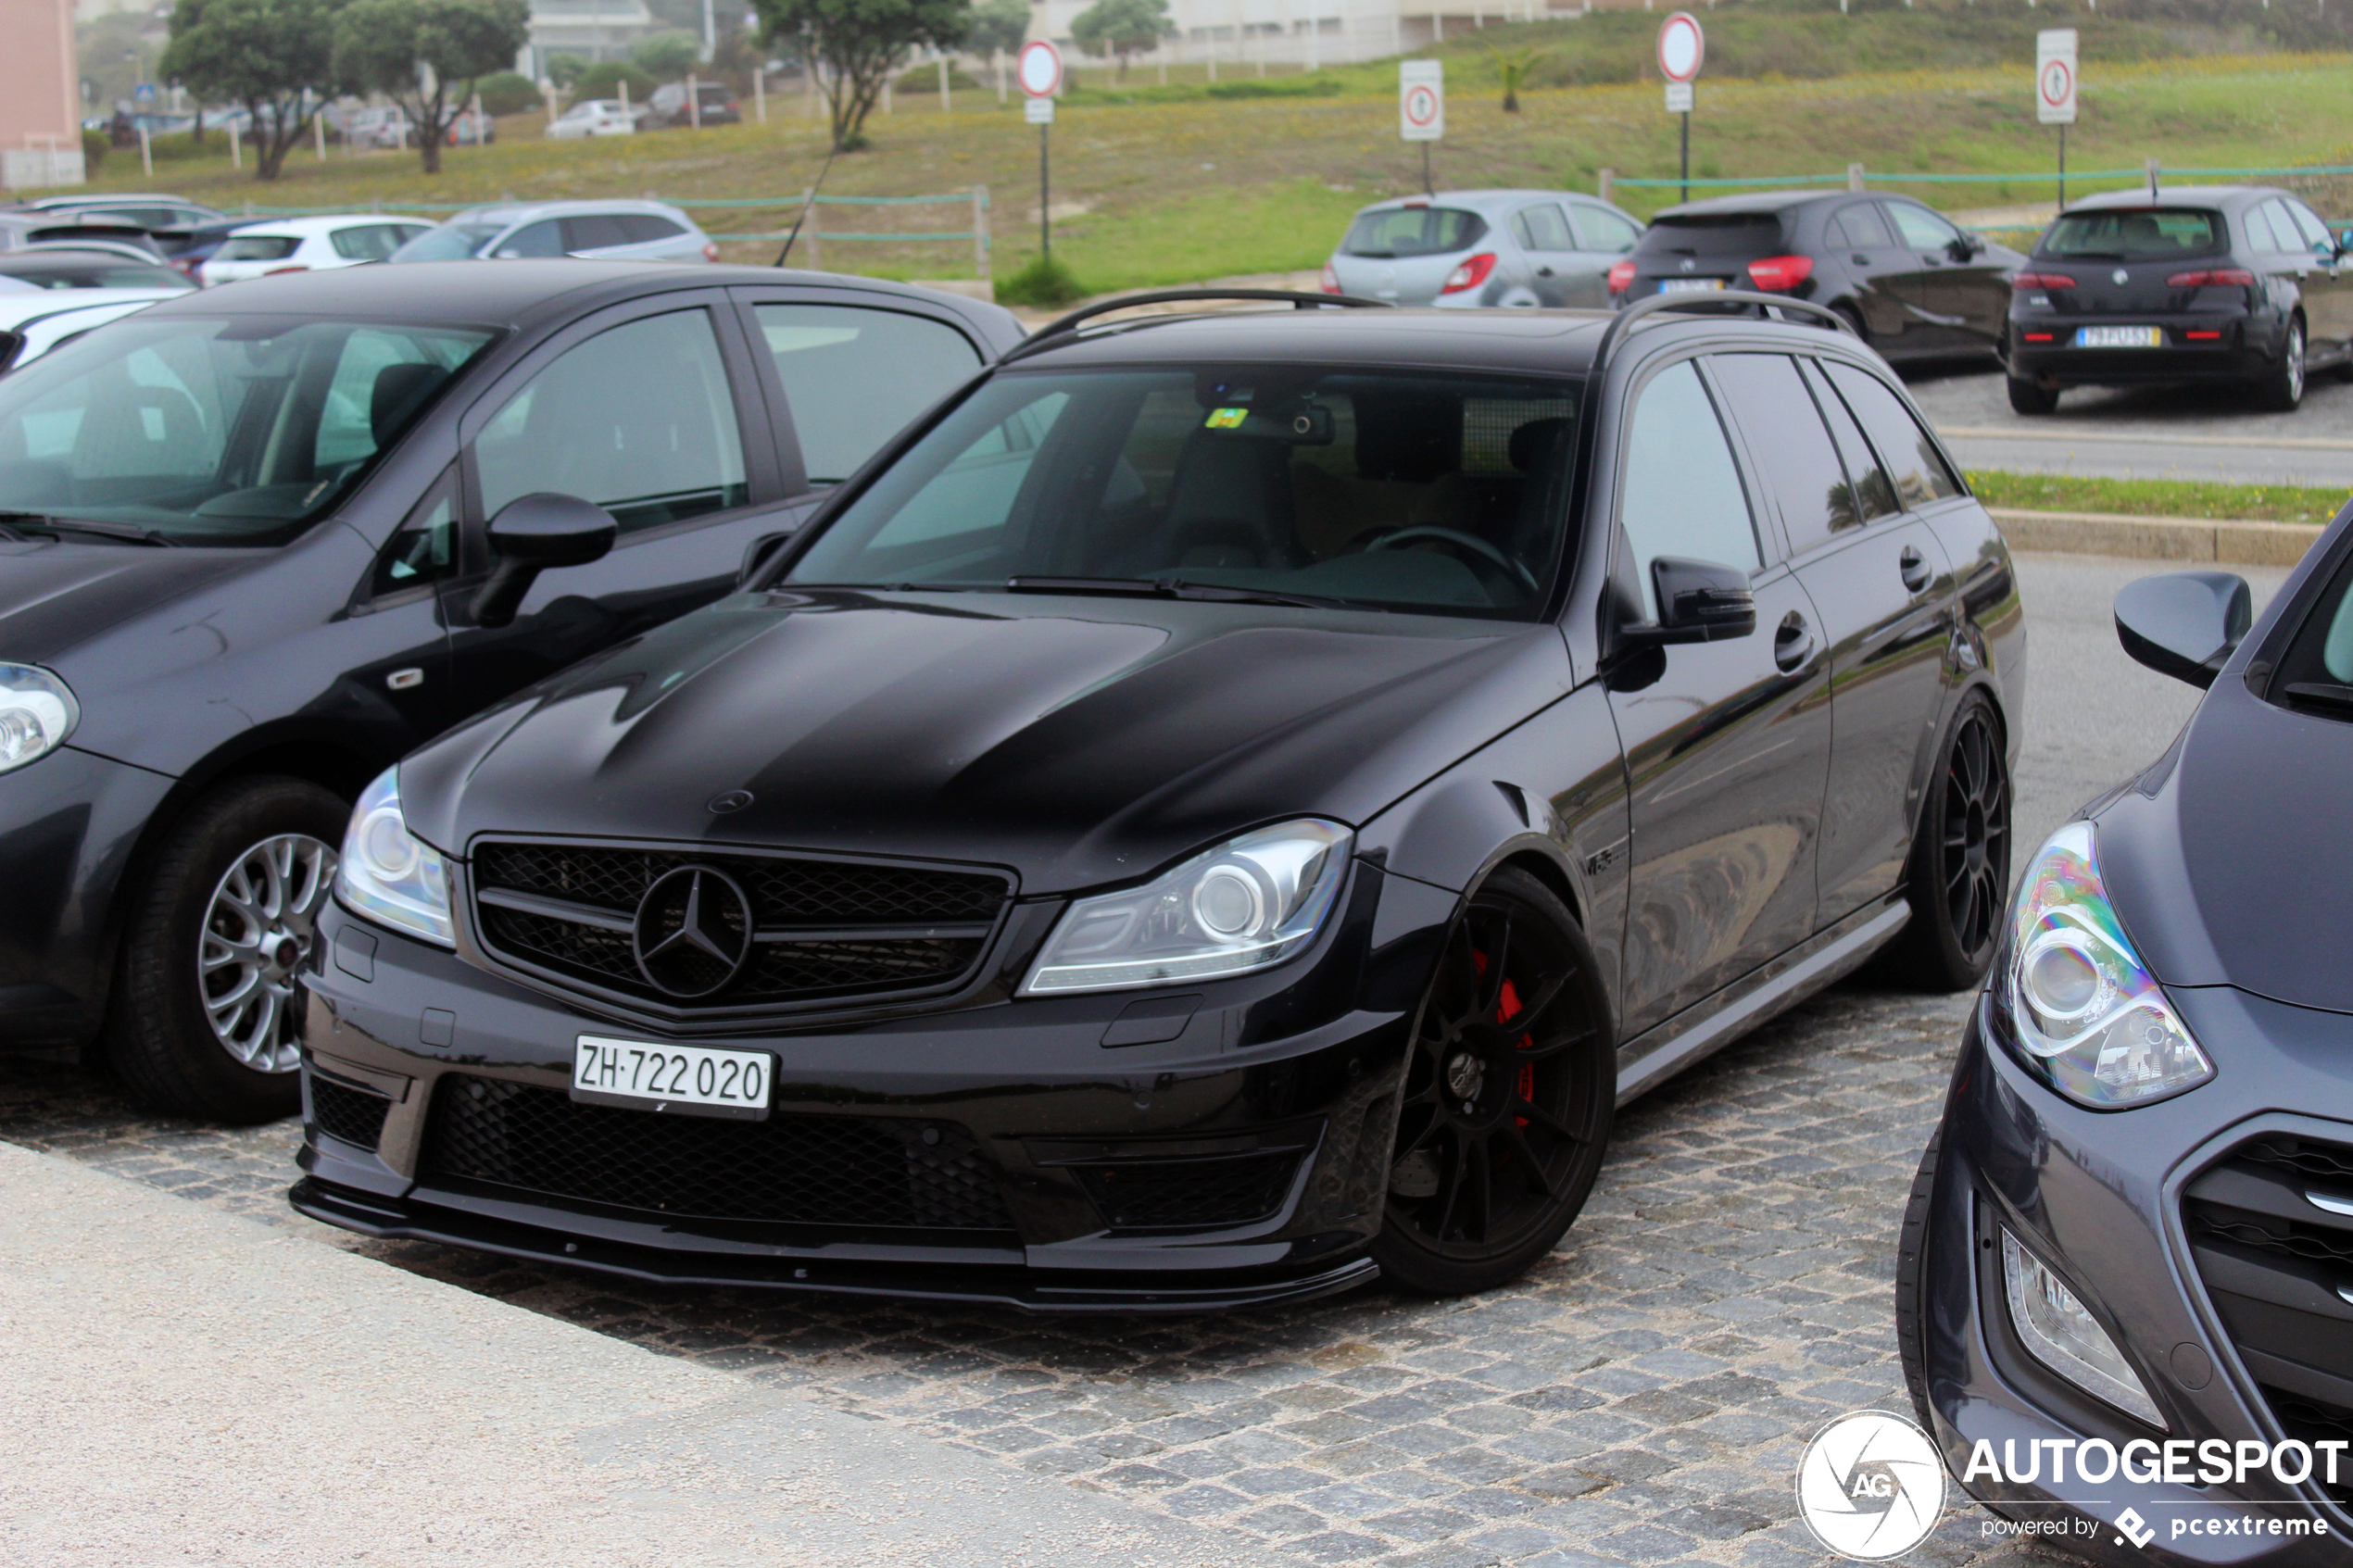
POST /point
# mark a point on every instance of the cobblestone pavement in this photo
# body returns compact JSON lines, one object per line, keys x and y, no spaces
{"x":1641,"y":1399}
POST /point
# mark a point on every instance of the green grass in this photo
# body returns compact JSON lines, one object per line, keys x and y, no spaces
{"x":2155,"y":497}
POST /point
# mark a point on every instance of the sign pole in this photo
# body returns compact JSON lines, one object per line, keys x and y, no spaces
{"x":1039,"y":68}
{"x":1687,"y":155}
{"x":2054,"y":83}
{"x":2062,"y":183}
{"x":1045,"y":199}
{"x":1682,"y":46}
{"x":1429,"y":187}
{"x":1421,"y":110}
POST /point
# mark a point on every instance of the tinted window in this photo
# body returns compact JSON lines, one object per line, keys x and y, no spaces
{"x":1682,"y":493}
{"x":2316,"y":233}
{"x":1874,"y":496}
{"x":854,"y":378}
{"x":1597,"y":230}
{"x":1861,"y":227}
{"x":1434,"y":491}
{"x":1910,"y":455}
{"x":638,"y":420}
{"x":256,"y":247}
{"x":640,"y":227}
{"x":1922,"y":229}
{"x":1715,"y":234}
{"x":1542,"y":228}
{"x":425,"y":550}
{"x":2140,"y":235}
{"x":2319,"y":659}
{"x":1785,"y":435}
{"x":1412,"y":230}
{"x":371,"y":243}
{"x":2285,"y":234}
{"x":450,"y":242}
{"x":537,"y":238}
{"x":593,"y":231}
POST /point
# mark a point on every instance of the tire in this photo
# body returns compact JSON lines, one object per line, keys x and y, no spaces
{"x":1957,"y":879}
{"x":2030,"y":396}
{"x":1853,"y":319}
{"x":1504,"y":1122}
{"x":2280,"y":389}
{"x":206,"y":1020}
{"x":1911,"y":1265}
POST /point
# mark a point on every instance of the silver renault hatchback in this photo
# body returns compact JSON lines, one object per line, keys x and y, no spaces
{"x":608,"y":230}
{"x":1474,"y":248}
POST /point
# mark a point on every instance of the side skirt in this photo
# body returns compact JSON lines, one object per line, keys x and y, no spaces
{"x":1667,"y":1049}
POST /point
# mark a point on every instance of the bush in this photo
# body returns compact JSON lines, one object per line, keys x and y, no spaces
{"x":564,"y":69}
{"x":924,"y":78}
{"x":667,"y":55}
{"x":94,"y":151}
{"x":1043,"y":281}
{"x":603,"y":80}
{"x":507,"y":93}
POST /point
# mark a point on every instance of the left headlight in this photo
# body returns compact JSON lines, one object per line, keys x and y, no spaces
{"x":2084,"y":1012}
{"x":37,"y":712}
{"x":388,"y":873}
{"x":1249,"y":903}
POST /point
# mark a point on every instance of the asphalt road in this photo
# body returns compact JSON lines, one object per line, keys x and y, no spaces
{"x":2143,"y":432}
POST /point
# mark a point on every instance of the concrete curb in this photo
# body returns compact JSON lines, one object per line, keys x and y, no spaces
{"x":2157,"y":538}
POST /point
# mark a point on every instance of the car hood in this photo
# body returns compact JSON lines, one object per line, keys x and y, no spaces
{"x":58,"y":594}
{"x":1077,"y":741}
{"x":2229,"y":864}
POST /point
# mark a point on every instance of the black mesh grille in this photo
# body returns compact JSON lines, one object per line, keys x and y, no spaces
{"x":2305,"y":1156}
{"x":815,"y":896}
{"x":1183,"y":1194}
{"x":354,"y":1115}
{"x":854,"y":1171}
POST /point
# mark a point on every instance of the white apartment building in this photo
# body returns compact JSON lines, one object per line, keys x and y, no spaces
{"x":1239,"y":35}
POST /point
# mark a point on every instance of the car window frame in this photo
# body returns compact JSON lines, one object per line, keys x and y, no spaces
{"x":1634,"y":226}
{"x":1891,"y":206}
{"x":449,"y":482}
{"x":1764,"y":520}
{"x":1953,"y":469}
{"x":763,"y":486}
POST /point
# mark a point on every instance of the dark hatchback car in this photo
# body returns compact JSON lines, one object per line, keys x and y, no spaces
{"x":2135,"y":1224}
{"x":1905,"y":279}
{"x":256,"y":543}
{"x":1226,"y":807}
{"x":2240,"y":284}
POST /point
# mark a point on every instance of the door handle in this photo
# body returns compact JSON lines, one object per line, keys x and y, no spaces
{"x":1793,"y":644}
{"x":1914,"y":567}
{"x":1860,"y":260}
{"x":1543,"y":272}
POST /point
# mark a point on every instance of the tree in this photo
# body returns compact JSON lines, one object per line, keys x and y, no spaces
{"x":604,"y":80}
{"x":1121,"y":28}
{"x":998,"y":27}
{"x":507,"y":93}
{"x":1512,"y":66}
{"x":856,"y":44}
{"x":426,"y":55}
{"x":274,"y":56}
{"x":668,"y":55}
{"x":564,"y":68}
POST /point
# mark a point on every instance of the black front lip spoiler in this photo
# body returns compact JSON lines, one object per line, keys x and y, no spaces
{"x":1019,"y":1289}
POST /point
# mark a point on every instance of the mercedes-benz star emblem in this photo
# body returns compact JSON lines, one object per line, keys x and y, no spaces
{"x":2122,"y":276}
{"x":693,"y":932}
{"x":1689,"y":264}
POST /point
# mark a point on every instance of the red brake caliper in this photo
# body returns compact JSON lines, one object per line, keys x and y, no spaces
{"x":1507,"y":1004}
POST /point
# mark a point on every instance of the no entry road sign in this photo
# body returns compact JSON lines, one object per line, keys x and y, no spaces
{"x":1038,"y":67}
{"x":1421,"y":100}
{"x":2055,"y":76}
{"x":1681,"y":47}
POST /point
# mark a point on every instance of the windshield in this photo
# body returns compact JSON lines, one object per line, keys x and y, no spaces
{"x":233,"y":431}
{"x":2145,"y":234}
{"x":451,"y":242}
{"x":1435,"y":493}
{"x":1412,"y":230}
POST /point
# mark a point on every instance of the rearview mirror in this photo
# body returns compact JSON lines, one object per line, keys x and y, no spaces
{"x":1698,"y":602}
{"x":2184,"y":624}
{"x":532,"y":534}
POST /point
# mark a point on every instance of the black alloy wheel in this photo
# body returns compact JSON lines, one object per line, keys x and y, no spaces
{"x":1959,"y":876}
{"x":1509,"y":1096}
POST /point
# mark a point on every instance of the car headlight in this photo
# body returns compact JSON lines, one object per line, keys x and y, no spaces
{"x":388,"y":873}
{"x":2086,"y":1014}
{"x":1251,"y":902}
{"x":2063,"y":1335}
{"x":37,"y":711}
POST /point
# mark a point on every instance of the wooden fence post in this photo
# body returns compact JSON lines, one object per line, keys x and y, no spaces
{"x":980,"y":232}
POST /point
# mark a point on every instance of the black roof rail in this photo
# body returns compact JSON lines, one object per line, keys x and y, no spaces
{"x":1700,"y":301}
{"x":1062,"y":326}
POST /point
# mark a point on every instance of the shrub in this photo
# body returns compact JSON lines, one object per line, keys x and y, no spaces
{"x":603,"y":80}
{"x":94,"y":151}
{"x":924,"y":78}
{"x":564,"y":69}
{"x":1044,"y":282}
{"x":667,"y":55}
{"x":507,"y":93}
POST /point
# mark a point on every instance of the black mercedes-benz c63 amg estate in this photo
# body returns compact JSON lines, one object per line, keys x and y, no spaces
{"x":1228,"y":806}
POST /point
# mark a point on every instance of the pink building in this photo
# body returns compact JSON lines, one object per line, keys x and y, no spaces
{"x":40,"y":119}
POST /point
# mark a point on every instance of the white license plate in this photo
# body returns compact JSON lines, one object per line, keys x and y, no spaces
{"x":697,"y":1080}
{"x":2120,"y":337}
{"x":1689,"y":285}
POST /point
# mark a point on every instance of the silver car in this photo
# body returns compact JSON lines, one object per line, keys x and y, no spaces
{"x":1475,"y":248}
{"x":620,"y":231}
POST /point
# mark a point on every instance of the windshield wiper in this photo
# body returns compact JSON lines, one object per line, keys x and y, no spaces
{"x":1175,"y":588}
{"x":1222,"y":593}
{"x":2326,"y":693}
{"x":43,"y":522}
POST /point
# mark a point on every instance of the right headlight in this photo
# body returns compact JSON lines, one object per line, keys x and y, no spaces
{"x":1251,"y":902}
{"x":2084,"y":1013}
{"x":388,"y":873}
{"x":37,"y":711}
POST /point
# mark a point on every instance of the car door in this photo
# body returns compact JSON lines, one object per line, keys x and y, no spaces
{"x":1963,"y":300}
{"x":653,"y":411}
{"x":1556,"y":273}
{"x":1885,"y":589}
{"x":400,"y":620}
{"x":2323,"y":278}
{"x":1727,"y":743}
{"x":1602,"y":237}
{"x":1885,"y":276}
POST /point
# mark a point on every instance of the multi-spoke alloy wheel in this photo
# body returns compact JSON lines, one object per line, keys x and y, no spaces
{"x":1507,"y":1098}
{"x":257,"y":933}
{"x":1960,"y":868}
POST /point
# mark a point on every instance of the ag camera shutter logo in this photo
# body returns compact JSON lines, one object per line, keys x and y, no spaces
{"x":1871,"y":1486}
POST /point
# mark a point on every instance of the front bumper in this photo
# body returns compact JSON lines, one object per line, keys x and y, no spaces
{"x":2103,"y":1199}
{"x":2041,"y":347}
{"x":997,"y":1153}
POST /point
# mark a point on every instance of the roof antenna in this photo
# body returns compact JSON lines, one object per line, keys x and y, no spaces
{"x":2152,"y":179}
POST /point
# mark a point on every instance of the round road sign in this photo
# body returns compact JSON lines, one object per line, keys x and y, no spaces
{"x":2058,"y":82}
{"x":1039,"y":69}
{"x":1682,"y":46}
{"x":1421,"y":106}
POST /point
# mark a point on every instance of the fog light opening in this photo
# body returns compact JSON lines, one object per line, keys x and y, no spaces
{"x":2059,"y":1332}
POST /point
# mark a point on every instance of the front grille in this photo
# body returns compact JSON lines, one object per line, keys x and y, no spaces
{"x":1190,"y":1194}
{"x":827,"y":930}
{"x":849,"y":1171}
{"x":354,"y":1115}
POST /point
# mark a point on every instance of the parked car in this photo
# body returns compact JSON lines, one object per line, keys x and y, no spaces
{"x":308,"y":244}
{"x":195,"y":246}
{"x":1482,"y":248}
{"x":2133,"y":1225}
{"x":594,"y":117}
{"x":380,"y":126}
{"x":2234,"y":283}
{"x":34,"y":322}
{"x":62,"y":267}
{"x":714,"y":104}
{"x":468,"y":129}
{"x":344,"y":463}
{"x":1906,"y":280}
{"x":1224,"y":806}
{"x":140,"y":210}
{"x":630,"y":230}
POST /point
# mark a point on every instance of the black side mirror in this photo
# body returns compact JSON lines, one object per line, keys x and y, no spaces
{"x":532,"y":534}
{"x":2184,"y":624}
{"x":1966,"y":247}
{"x":1699,"y":602}
{"x":757,"y":556}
